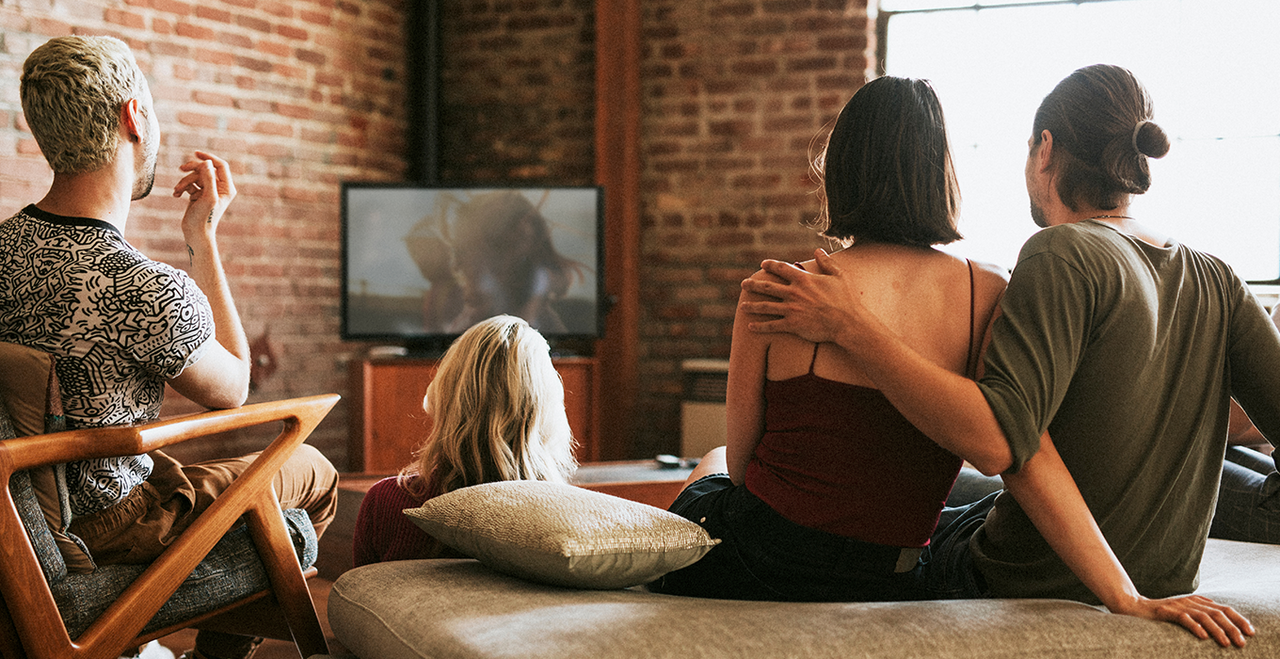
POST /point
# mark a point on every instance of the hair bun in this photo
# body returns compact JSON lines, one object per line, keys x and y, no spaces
{"x":1150,"y":140}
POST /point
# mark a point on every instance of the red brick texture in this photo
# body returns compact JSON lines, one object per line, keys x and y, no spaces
{"x":517,"y":94}
{"x":736,"y":95}
{"x":302,"y":95}
{"x":297,"y":96}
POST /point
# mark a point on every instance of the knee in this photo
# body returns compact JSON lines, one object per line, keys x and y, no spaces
{"x":309,"y":459}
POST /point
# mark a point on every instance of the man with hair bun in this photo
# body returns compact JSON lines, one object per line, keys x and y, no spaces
{"x":120,"y":325}
{"x":1126,"y":346}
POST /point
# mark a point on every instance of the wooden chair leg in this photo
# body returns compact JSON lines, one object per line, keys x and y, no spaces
{"x":290,"y":586}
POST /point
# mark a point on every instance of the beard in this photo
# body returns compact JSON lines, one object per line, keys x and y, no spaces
{"x":146,"y":175}
{"x":1038,"y":216}
{"x":142,"y":187}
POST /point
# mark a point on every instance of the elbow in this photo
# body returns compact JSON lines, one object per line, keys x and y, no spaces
{"x":233,"y":393}
{"x":227,"y":400}
{"x":993,"y":463}
{"x":238,"y":400}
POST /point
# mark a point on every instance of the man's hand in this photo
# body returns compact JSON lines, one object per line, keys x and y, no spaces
{"x":210,"y":189}
{"x":1198,"y":614}
{"x":817,"y":307}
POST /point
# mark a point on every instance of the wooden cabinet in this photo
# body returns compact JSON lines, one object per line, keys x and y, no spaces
{"x":388,"y":422}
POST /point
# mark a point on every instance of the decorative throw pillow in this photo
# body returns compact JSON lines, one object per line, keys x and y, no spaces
{"x":561,"y":534}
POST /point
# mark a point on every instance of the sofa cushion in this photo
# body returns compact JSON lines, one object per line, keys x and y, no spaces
{"x":459,"y":609}
{"x":562,"y":535}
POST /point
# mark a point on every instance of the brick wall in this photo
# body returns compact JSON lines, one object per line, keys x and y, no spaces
{"x":301,"y":95}
{"x":734,"y":94}
{"x":298,"y":96}
{"x":517,"y":91}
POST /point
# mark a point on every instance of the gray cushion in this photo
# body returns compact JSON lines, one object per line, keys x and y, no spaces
{"x":561,"y":534}
{"x":231,"y":571}
{"x":453,"y":609}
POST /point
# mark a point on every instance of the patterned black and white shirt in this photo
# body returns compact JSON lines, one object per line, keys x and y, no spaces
{"x":119,"y":323}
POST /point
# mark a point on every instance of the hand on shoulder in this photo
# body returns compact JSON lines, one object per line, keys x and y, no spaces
{"x":812,"y":304}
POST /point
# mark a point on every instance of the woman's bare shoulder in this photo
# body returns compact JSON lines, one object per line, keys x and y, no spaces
{"x":990,"y":273}
{"x":989,"y":280}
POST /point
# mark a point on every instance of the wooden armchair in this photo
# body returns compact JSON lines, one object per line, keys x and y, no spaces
{"x":208,"y":578}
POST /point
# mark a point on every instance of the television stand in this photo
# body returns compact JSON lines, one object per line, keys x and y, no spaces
{"x":388,"y":422}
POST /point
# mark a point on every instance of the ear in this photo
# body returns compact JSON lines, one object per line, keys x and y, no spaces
{"x":1044,"y":152}
{"x":133,"y":119}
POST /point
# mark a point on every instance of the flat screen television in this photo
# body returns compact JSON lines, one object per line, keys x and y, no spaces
{"x":422,"y":263}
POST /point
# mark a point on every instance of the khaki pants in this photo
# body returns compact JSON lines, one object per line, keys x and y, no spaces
{"x":155,"y":513}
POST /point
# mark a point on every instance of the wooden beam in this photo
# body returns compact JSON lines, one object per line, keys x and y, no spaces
{"x":617,"y":144}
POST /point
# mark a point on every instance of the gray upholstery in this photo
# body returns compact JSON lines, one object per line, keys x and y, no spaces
{"x":230,"y":572}
{"x":461,"y":609}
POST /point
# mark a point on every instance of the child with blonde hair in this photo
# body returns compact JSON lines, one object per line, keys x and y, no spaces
{"x":497,"y":411}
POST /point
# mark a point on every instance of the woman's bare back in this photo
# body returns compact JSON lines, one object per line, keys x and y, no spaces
{"x":923,"y":295}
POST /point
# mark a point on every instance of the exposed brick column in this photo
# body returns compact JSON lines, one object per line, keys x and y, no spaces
{"x":297,"y":96}
{"x":736,"y":97}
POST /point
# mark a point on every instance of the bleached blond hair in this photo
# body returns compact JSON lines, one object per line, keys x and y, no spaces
{"x":497,"y":412}
{"x":73,"y":89}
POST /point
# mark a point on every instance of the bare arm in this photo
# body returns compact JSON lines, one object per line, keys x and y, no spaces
{"x":1046,"y":491}
{"x":820,"y":307}
{"x":221,"y":378}
{"x":744,"y":406}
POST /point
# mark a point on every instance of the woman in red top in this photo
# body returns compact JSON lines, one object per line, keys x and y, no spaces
{"x":497,"y":410}
{"x":824,"y":491}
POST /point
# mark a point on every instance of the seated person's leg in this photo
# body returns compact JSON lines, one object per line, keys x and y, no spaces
{"x":1248,"y":498}
{"x":971,"y":486}
{"x":949,"y":572}
{"x":307,"y":481}
{"x":714,"y":462}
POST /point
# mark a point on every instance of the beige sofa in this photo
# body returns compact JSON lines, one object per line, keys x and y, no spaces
{"x":463,"y":609}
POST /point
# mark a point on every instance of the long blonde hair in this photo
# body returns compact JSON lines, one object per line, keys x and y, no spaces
{"x":497,"y":411}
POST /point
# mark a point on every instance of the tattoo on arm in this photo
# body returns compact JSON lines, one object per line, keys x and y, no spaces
{"x":191,"y":256}
{"x":210,"y":219}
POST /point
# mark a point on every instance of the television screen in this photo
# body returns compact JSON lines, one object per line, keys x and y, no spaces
{"x":421,"y":264}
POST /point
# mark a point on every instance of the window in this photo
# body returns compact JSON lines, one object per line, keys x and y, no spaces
{"x":1212,"y":68}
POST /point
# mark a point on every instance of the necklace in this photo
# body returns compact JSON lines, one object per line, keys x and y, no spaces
{"x":1111,"y":217}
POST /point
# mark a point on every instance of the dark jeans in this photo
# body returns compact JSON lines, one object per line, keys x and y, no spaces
{"x":1248,"y":509}
{"x":764,"y":556}
{"x":1248,"y":498}
{"x":948,"y":571}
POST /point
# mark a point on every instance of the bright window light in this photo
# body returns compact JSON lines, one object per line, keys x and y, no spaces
{"x":1212,"y":68}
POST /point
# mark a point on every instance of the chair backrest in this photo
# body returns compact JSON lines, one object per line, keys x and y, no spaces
{"x":33,"y":517}
{"x":31,"y":396}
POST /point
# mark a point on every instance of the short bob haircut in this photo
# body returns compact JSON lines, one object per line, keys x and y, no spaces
{"x":886,"y":170}
{"x":72,"y":91}
{"x":497,"y":410}
{"x":1100,"y":119}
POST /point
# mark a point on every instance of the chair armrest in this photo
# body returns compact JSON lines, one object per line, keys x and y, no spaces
{"x":110,"y":441}
{"x":32,"y":608}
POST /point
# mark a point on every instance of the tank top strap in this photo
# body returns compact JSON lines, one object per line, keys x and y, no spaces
{"x":814,"y":359}
{"x":971,"y":361}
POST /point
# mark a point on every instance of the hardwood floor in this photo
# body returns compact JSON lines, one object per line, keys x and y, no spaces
{"x":272,"y":649}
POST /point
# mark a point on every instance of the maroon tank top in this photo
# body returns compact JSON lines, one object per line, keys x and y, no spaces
{"x":840,"y":458}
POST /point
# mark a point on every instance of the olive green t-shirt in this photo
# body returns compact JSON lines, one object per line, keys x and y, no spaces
{"x":1128,"y":354}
